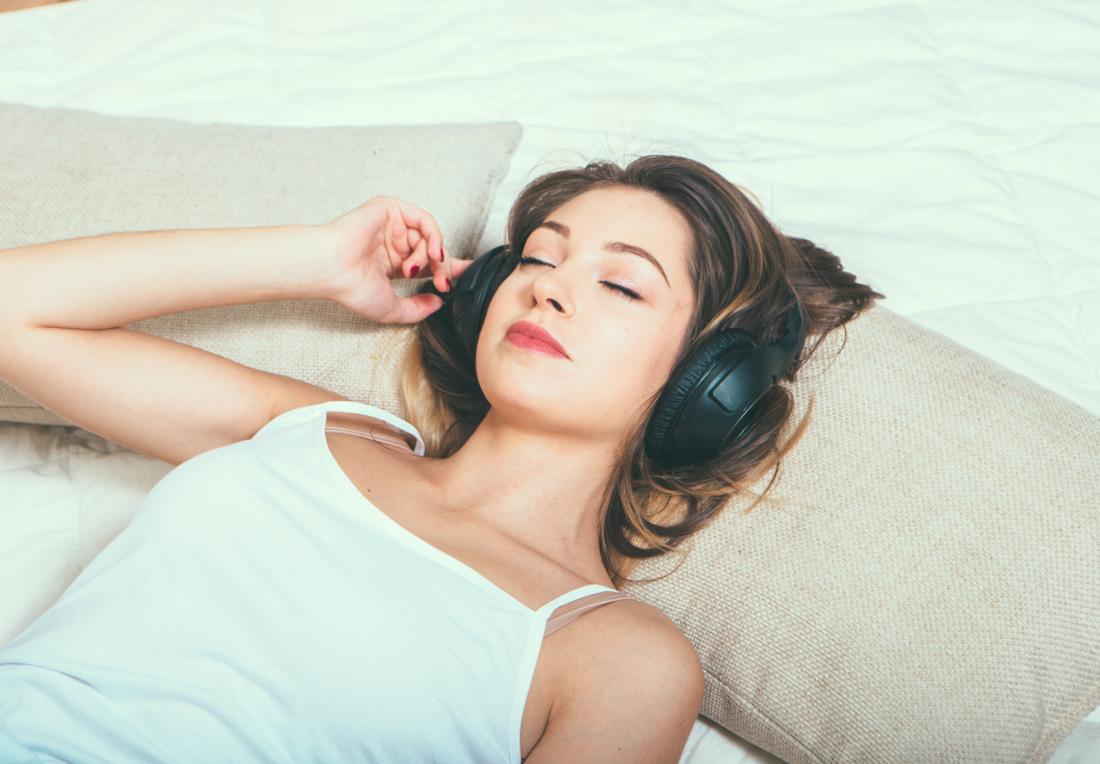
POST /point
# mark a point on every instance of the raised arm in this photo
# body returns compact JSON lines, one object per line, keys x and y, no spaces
{"x":63,"y":305}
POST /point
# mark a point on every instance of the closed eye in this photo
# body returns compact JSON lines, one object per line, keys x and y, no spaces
{"x":626,"y":294}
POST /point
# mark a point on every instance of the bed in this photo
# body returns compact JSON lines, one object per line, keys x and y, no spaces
{"x":945,"y":152}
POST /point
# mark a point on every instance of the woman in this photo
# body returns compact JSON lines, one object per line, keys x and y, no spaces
{"x":397,"y":606}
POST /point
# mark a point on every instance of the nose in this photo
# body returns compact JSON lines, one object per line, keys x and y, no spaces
{"x":547,"y":288}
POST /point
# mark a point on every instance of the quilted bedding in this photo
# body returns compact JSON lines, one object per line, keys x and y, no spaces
{"x":946,"y":151}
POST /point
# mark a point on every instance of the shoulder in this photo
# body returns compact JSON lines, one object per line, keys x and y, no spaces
{"x":634,"y":696}
{"x":630,"y":633}
{"x":656,"y":649}
{"x":652,"y":640}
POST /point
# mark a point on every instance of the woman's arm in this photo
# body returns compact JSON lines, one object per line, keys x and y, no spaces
{"x":100,"y":282}
{"x":61,"y":301}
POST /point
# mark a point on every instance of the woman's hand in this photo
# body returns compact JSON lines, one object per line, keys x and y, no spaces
{"x":383,"y":239}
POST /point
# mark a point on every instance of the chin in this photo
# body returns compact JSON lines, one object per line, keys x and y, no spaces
{"x":529,"y":396}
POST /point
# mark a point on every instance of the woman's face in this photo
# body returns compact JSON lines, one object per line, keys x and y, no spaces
{"x":620,"y":350}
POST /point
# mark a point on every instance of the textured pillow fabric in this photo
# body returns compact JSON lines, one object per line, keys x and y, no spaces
{"x":70,"y":173}
{"x":923,"y":583}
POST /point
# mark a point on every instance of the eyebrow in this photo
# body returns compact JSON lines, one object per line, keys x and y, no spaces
{"x":610,"y":246}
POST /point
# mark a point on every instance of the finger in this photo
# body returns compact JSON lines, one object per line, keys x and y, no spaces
{"x":397,"y":247}
{"x":425,"y":263}
{"x":458,"y":267}
{"x":393,"y":232}
{"x":414,"y":216}
{"x":394,"y":248}
{"x":418,"y":259}
{"x":405,"y":253}
{"x":415,"y":308}
{"x":454,"y":268}
{"x":399,"y":235}
{"x":439,"y":276}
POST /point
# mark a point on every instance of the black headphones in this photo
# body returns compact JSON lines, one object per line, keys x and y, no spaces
{"x":702,"y":408}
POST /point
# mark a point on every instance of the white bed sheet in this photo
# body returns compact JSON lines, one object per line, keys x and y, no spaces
{"x":946,"y":151}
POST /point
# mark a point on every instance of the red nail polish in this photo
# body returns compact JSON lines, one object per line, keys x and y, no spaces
{"x":415,"y":269}
{"x":448,"y":283}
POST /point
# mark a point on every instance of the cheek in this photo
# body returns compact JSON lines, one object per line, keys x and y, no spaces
{"x":503,"y":309}
{"x":636,"y":331}
{"x":636,"y":346}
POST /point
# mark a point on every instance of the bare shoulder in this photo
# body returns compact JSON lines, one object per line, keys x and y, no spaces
{"x":648,"y":625}
{"x":634,"y":696}
{"x":628,"y":629}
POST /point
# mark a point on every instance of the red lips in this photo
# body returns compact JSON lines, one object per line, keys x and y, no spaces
{"x":537,"y":332}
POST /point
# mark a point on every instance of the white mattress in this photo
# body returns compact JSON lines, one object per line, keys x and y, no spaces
{"x":947,"y":152}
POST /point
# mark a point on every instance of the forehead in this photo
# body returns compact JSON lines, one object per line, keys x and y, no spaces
{"x":600,"y":211}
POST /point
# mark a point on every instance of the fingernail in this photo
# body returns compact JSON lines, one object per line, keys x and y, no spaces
{"x":414,"y":270}
{"x":448,"y":283}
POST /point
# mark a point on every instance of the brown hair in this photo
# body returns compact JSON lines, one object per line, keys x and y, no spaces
{"x":737,"y":272}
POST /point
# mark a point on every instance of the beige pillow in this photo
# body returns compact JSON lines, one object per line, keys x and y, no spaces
{"x":70,"y":173}
{"x":924,"y":582}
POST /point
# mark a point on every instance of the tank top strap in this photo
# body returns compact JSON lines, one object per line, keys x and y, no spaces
{"x":302,"y":414}
{"x":588,"y":602}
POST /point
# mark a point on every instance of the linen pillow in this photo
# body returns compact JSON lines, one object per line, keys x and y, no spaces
{"x":70,"y":173}
{"x":923,"y":583}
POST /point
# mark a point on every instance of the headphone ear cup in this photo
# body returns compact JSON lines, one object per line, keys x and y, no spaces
{"x":470,"y":296}
{"x":680,"y":390}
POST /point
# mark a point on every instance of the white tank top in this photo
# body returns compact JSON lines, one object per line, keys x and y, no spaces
{"x":259,"y":607}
